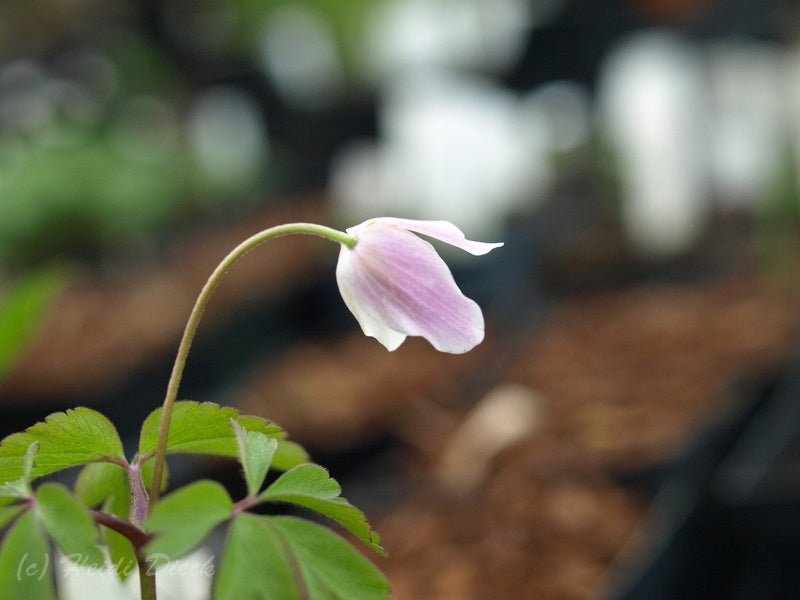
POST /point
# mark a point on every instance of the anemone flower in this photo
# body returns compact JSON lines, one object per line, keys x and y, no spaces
{"x":396,"y":285}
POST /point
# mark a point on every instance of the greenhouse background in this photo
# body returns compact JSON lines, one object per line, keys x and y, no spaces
{"x":627,"y":430}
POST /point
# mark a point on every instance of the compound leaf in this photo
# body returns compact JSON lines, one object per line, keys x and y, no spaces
{"x":288,"y":455}
{"x":254,"y":565}
{"x":66,"y":439}
{"x":70,"y":526}
{"x":183,"y":519}
{"x":310,"y":486}
{"x":120,"y":549}
{"x":96,"y":482}
{"x":202,"y":428}
{"x":26,"y":569}
{"x":331,"y":569}
{"x":9,"y":513}
{"x":255,"y":455}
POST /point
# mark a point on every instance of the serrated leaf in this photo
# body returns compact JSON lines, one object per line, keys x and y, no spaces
{"x":202,"y":428}
{"x":311,"y":487}
{"x":21,"y":488}
{"x":253,"y":564}
{"x":330,"y":567}
{"x":308,"y":479}
{"x":70,"y":526}
{"x":15,"y":490}
{"x":28,"y":461}
{"x":21,"y":310}
{"x":255,"y":455}
{"x":265,"y":426}
{"x":26,"y":570}
{"x":66,"y":439}
{"x":96,"y":482}
{"x":288,"y":455}
{"x":120,"y":549}
{"x":181,"y":520}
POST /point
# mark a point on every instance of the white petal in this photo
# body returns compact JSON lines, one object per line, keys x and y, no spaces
{"x":443,"y":231}
{"x":370,"y":325}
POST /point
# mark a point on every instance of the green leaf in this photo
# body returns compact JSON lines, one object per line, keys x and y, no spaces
{"x":9,"y":513}
{"x":253,"y":565}
{"x":21,"y":310}
{"x":253,"y":423}
{"x":107,"y":484}
{"x":70,"y":526}
{"x":26,"y":569}
{"x":311,"y":487}
{"x":120,"y":550}
{"x":21,"y":488}
{"x":96,"y":482}
{"x":181,"y":520}
{"x":9,"y":496}
{"x":66,"y":439}
{"x":202,"y":428}
{"x":14,"y":490}
{"x":329,"y":566}
{"x":255,"y":454}
{"x":28,"y":461}
{"x":288,"y":455}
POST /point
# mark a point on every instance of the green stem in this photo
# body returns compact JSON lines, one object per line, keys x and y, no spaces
{"x":147,"y":579}
{"x":197,"y":313}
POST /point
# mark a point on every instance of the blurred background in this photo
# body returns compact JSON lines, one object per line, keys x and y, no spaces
{"x":628,"y":428}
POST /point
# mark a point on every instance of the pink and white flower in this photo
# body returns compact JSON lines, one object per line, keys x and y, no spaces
{"x":396,"y":285}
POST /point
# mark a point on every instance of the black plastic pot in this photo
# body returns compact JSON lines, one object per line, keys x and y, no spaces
{"x":725,"y":523}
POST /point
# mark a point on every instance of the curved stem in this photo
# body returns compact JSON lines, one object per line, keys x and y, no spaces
{"x":197,"y":313}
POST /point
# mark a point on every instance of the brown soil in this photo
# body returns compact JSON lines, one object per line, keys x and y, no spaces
{"x":530,"y":532}
{"x":337,"y":394}
{"x":628,"y":377}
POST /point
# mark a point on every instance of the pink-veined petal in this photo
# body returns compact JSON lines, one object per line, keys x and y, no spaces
{"x":443,"y":231}
{"x":396,"y":285}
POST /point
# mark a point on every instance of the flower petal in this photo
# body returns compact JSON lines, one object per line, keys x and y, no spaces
{"x":443,"y":231}
{"x":350,"y":289}
{"x":396,"y":285}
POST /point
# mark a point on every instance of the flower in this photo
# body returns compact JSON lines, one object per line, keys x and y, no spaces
{"x":396,"y":285}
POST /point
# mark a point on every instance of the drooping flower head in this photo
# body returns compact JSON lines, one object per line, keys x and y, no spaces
{"x":396,"y":285}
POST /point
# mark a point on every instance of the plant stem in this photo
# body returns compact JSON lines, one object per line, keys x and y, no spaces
{"x":197,"y":313}
{"x":136,"y":536}
{"x":147,"y":579}
{"x":139,"y":500}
